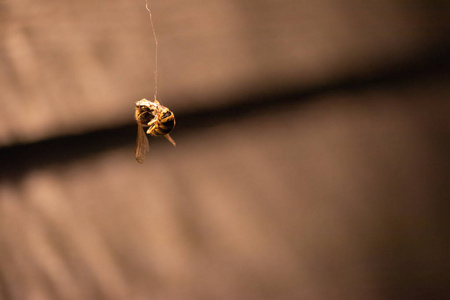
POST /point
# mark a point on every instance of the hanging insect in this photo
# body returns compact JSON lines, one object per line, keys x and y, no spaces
{"x":159,"y":120}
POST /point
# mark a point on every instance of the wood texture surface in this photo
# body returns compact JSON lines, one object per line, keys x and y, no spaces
{"x":311,"y":161}
{"x":76,"y":66}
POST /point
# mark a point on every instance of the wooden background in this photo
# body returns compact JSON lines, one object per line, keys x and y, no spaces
{"x":312,"y":157}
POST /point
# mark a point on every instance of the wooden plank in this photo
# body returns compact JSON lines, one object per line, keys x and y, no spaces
{"x":73,"y":66}
{"x":344,"y":197}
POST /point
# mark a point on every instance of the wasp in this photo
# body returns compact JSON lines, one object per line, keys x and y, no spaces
{"x":159,"y":120}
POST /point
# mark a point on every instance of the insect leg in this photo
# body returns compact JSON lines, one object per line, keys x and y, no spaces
{"x":151,"y":125}
{"x":167,"y":136}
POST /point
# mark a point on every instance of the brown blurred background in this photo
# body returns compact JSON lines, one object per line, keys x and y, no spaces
{"x":312,"y":157}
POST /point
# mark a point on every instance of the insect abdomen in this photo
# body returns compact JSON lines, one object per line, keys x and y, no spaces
{"x":165,"y":123}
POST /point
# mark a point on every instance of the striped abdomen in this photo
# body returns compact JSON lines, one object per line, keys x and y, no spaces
{"x":165,"y":122}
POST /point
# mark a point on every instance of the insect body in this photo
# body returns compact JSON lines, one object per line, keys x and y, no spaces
{"x":159,"y":120}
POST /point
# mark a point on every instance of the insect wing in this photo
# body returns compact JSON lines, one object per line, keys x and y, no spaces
{"x":142,"y":145}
